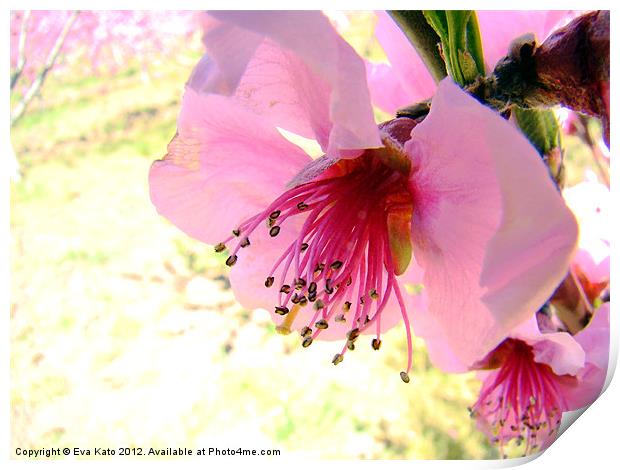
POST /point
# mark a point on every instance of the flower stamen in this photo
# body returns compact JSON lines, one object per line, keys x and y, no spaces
{"x":355,"y":219}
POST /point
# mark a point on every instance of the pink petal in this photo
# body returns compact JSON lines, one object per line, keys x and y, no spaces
{"x":595,"y":338}
{"x":304,"y":75}
{"x":416,"y":83}
{"x":224,"y":165}
{"x":500,"y":28}
{"x":386,"y":90}
{"x":279,"y":85}
{"x":492,"y":253}
{"x":229,"y":49}
{"x":426,"y":325}
{"x":558,"y":350}
{"x":595,"y":341}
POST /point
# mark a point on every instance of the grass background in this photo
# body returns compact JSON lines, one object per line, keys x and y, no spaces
{"x":124,"y":332}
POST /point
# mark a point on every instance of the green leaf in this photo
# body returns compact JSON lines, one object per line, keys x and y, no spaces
{"x":423,"y":38}
{"x":460,"y":43}
{"x":540,"y":126}
{"x":468,"y":66}
{"x":474,"y":42}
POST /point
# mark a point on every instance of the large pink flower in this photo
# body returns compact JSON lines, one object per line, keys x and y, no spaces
{"x":405,"y":80}
{"x":327,"y":242}
{"x":535,"y":377}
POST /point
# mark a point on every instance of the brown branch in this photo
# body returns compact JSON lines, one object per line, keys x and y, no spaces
{"x":19,"y":109}
{"x":21,"y":54}
{"x":571,"y":68}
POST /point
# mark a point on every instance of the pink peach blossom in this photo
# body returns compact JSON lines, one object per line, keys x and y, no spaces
{"x":535,"y":377}
{"x":337,"y":232}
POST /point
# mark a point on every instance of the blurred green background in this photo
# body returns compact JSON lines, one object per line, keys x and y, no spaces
{"x":124,"y":331}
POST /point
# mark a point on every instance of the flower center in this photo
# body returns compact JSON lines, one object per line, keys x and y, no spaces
{"x":354,"y":241}
{"x":522,"y":401}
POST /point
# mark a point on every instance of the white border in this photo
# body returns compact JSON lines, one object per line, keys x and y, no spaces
{"x":593,"y":443}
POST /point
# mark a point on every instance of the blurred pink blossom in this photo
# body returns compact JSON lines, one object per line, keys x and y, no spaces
{"x":590,"y":202}
{"x":337,"y":231}
{"x":100,"y":40}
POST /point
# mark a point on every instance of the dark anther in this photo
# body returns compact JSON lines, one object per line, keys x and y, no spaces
{"x":302,"y":206}
{"x":312,"y":287}
{"x":362,"y":300}
{"x":281,"y":310}
{"x":376,"y":344}
{"x":337,"y":359}
{"x":303,"y":301}
{"x":405,"y":377}
{"x":236,"y":232}
{"x":300,"y":283}
{"x":373,"y":294}
{"x":273,"y":231}
{"x":349,"y":281}
{"x":274,"y":215}
{"x":295,"y":299}
{"x":322,"y":324}
{"x":231,"y":260}
{"x":350,"y":345}
{"x":285,"y":289}
{"x":328,"y":286}
{"x":304,"y":246}
{"x":306,"y":331}
{"x":347,"y":306}
{"x":336,"y":265}
{"x":269,"y":281}
{"x":307,"y":341}
{"x":319,"y":269}
{"x":319,"y":304}
{"x":219,"y":247}
{"x":353,"y":334}
{"x":311,"y":296}
{"x":245,"y":242}
{"x":340,"y":318}
{"x":270,"y":222}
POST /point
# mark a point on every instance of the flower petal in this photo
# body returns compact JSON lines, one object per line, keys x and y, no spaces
{"x":499,"y":28}
{"x":416,"y":83}
{"x":595,"y":338}
{"x":492,"y":252}
{"x":224,"y":165}
{"x":559,"y":351}
{"x":229,"y":49}
{"x":425,"y":325}
{"x":304,"y":75}
{"x":595,"y":341}
{"x":386,"y":90}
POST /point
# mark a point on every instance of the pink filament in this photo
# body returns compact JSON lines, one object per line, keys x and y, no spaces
{"x":348,"y":254}
{"x":521,"y":400}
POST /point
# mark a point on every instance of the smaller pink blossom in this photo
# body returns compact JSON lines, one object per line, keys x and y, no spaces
{"x":531,"y":378}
